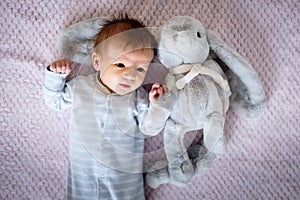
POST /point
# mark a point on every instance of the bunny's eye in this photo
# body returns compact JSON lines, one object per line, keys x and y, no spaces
{"x":198,"y":35}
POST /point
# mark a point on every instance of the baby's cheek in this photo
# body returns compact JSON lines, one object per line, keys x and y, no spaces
{"x":142,"y":76}
{"x":140,"y":82}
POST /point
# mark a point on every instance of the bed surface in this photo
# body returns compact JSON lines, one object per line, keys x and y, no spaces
{"x":263,"y":157}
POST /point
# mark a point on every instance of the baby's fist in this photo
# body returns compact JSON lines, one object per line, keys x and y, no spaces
{"x":157,"y":91}
{"x":62,"y":66}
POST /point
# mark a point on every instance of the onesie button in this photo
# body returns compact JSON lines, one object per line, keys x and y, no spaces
{"x":101,"y":176}
{"x":105,"y":141}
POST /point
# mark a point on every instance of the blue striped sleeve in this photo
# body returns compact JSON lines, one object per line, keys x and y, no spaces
{"x":56,"y":92}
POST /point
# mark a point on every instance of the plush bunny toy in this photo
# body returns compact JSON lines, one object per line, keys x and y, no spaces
{"x":204,"y":91}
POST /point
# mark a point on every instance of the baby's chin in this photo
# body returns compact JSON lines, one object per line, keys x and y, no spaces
{"x":124,"y":89}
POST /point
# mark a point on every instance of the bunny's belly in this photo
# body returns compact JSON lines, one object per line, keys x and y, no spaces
{"x":189,"y":109}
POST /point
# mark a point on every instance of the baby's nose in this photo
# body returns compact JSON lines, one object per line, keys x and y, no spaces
{"x":130,"y":73}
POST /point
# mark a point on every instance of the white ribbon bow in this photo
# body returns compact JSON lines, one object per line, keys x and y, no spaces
{"x":193,"y":70}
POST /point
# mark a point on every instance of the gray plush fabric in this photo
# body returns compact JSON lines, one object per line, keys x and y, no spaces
{"x":201,"y":102}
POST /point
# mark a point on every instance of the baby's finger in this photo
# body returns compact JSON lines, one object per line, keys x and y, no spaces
{"x":63,"y":69}
{"x":68,"y":67}
{"x":153,"y":93}
{"x":155,"y":86}
{"x":165,"y":89}
{"x":59,"y":67}
{"x":65,"y":64}
{"x":160,"y":92}
{"x":53,"y":67}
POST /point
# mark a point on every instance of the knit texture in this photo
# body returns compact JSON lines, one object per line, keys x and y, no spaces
{"x":262,"y":161}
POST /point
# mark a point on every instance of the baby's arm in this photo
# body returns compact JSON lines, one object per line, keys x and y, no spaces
{"x":57,"y":93}
{"x":161,"y":103}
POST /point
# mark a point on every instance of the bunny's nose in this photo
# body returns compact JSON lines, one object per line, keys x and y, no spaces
{"x":175,"y":37}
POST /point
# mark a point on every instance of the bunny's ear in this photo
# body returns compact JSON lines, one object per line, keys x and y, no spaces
{"x":76,"y":42}
{"x":248,"y":96}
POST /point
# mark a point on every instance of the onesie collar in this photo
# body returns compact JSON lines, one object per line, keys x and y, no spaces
{"x":101,"y":88}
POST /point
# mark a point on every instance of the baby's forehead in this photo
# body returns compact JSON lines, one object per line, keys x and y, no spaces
{"x":118,"y":51}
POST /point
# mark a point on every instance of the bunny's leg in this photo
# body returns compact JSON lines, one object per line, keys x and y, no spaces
{"x":203,"y":161}
{"x":214,"y":139}
{"x":213,"y":135}
{"x":158,"y":174}
{"x":180,"y":166}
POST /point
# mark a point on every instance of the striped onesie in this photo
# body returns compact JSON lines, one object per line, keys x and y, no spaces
{"x":106,"y":140}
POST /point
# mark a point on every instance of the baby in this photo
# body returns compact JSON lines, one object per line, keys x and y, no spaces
{"x":111,"y":113}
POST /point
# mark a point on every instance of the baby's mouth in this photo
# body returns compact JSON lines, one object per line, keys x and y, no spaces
{"x":124,"y":85}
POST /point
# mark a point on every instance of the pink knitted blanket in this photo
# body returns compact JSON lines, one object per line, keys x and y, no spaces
{"x":263,"y":157}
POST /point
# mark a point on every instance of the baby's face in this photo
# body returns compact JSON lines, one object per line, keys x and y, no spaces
{"x":124,"y":73}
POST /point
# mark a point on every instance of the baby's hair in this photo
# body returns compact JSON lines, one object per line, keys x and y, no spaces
{"x":125,"y":32}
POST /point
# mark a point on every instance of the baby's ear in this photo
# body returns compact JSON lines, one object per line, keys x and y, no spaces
{"x":96,"y":61}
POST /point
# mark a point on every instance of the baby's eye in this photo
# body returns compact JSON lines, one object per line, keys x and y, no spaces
{"x":121,"y":65}
{"x":140,"y":69}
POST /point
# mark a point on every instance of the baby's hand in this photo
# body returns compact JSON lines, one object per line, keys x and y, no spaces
{"x":62,"y":66}
{"x":157,"y":91}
